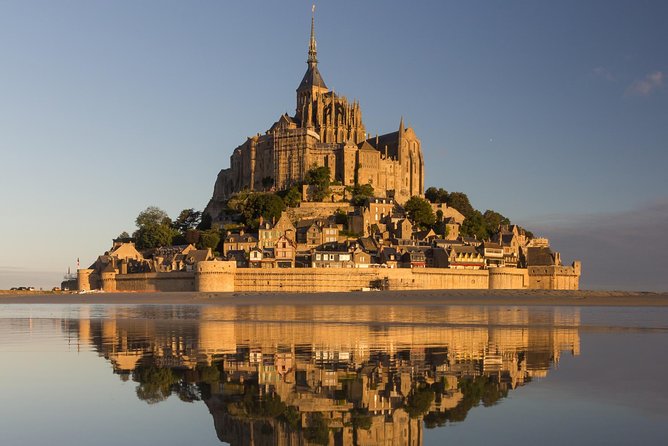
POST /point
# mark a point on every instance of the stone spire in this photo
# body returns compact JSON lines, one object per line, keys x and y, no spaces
{"x":312,"y":50}
{"x":312,"y":78}
{"x":400,"y":141}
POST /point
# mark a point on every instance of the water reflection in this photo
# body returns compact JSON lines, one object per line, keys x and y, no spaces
{"x":329,"y":374}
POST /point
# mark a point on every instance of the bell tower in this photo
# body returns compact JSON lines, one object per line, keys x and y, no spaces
{"x":312,"y":84}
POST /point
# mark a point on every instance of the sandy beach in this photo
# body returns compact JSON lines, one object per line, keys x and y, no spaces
{"x":418,"y":297}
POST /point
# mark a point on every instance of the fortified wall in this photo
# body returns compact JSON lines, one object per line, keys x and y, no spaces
{"x":224,"y":276}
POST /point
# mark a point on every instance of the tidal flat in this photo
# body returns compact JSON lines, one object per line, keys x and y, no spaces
{"x":350,"y":369}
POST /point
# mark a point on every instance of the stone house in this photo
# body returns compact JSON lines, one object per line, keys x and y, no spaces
{"x":451,"y":228}
{"x":361,"y":259}
{"x":171,"y":258}
{"x":402,"y":229}
{"x":255,"y":257}
{"x":239,"y":242}
{"x":239,"y":256}
{"x":448,"y":212}
{"x":261,"y":258}
{"x":493,"y":254}
{"x":332,"y":256}
{"x":389,"y":256}
{"x":511,"y":246}
{"x":438,"y":258}
{"x":318,"y":232}
{"x":194,"y":256}
{"x":268,"y":234}
{"x":375,"y":211}
{"x":465,"y":257}
{"x":425,"y":236}
{"x":284,"y":252}
{"x":125,"y":251}
{"x":414,"y":258}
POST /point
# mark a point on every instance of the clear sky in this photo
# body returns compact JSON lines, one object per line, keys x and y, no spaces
{"x":552,"y":113}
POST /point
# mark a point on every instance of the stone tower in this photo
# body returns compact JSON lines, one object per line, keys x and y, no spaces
{"x":318,"y":108}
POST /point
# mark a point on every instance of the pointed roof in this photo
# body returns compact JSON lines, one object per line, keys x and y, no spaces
{"x":312,"y":77}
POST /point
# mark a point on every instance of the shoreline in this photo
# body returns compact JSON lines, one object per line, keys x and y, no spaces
{"x":403,"y":297}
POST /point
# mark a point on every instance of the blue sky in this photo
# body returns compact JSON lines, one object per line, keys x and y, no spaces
{"x":552,"y":113}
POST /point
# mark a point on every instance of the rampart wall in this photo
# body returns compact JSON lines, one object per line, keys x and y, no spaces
{"x":555,"y":277}
{"x":173,"y":281}
{"x":224,"y":276}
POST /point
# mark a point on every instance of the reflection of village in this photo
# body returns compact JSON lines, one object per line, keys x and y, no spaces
{"x":296,"y":375}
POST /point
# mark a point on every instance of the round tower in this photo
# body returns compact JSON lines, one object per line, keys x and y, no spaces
{"x":108,"y":276}
{"x":83,"y":279}
{"x":215,"y":276}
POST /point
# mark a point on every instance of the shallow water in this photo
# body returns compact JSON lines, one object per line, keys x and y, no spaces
{"x":250,"y":374}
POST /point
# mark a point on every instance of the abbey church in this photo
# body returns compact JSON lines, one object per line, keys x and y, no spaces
{"x":326,"y":130}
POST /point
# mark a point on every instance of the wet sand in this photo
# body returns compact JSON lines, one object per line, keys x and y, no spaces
{"x":418,"y":297}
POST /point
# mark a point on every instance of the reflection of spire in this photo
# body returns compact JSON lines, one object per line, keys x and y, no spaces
{"x":312,"y":50}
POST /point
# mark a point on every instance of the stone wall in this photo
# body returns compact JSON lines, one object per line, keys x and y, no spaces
{"x":508,"y":278}
{"x":311,"y":210}
{"x":344,"y":279}
{"x":434,"y":278}
{"x":172,"y":281}
{"x":303,"y":279}
{"x":224,"y":276}
{"x":555,"y":277}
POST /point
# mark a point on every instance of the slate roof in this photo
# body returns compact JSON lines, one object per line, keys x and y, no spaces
{"x":244,"y":238}
{"x":539,"y":256}
{"x":391,"y":140}
{"x":312,"y":77}
{"x":108,"y":269}
{"x":368,"y":244}
{"x":197,"y":255}
{"x":465,"y":249}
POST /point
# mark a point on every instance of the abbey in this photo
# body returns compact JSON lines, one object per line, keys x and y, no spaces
{"x":326,"y":130}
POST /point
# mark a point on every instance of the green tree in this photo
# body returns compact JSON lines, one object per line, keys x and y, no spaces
{"x":419,"y":401}
{"x":209,"y":239}
{"x":341,"y":218}
{"x":475,"y":226}
{"x":318,"y":430}
{"x":152,"y":215}
{"x":265,"y":205}
{"x":187,"y":219}
{"x":123,"y":236}
{"x":493,"y":220}
{"x":292,"y":197}
{"x":320,"y":178}
{"x":153,"y":236}
{"x":460,"y":201}
{"x":420,"y":212}
{"x":360,"y":193}
{"x":155,"y":384}
{"x":434,"y":195}
{"x":205,"y":223}
{"x":154,"y":228}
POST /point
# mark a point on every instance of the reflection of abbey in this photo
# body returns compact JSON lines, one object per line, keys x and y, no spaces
{"x":356,"y":381}
{"x":327,"y":130}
